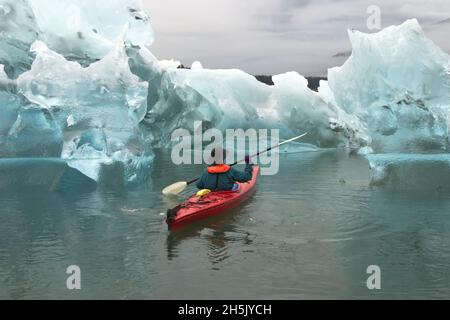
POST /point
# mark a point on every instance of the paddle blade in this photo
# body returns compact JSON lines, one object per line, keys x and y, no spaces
{"x":175,"y":189}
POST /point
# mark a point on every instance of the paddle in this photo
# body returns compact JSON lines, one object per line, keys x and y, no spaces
{"x":179,"y":187}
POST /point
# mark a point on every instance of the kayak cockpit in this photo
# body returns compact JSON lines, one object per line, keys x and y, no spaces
{"x":212,"y":203}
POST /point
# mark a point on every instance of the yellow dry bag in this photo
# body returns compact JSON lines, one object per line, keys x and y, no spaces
{"x":203,"y":192}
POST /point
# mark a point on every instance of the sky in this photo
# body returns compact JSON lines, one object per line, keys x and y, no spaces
{"x":277,"y":36}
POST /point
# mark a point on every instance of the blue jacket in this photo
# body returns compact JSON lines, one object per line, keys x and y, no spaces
{"x":224,"y":181}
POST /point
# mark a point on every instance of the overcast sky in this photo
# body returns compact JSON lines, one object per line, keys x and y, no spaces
{"x":275,"y":36}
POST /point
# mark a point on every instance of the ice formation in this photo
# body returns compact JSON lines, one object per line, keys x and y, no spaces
{"x":398,"y":83}
{"x":85,"y":30}
{"x":381,"y":100}
{"x":233,"y":99}
{"x":411,"y":171}
{"x":81,"y":30}
{"x":98,"y":107}
{"x":18,"y":30}
{"x":84,"y":87}
{"x":86,"y":115}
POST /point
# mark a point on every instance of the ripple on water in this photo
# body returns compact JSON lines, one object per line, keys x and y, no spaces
{"x":304,"y":234}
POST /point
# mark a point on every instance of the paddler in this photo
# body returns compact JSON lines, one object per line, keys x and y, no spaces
{"x":222,"y":177}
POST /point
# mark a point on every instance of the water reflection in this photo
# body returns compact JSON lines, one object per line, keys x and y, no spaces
{"x":309,"y":232}
{"x":218,"y":232}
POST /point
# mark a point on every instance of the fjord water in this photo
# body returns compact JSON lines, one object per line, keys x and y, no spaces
{"x":309,"y":232}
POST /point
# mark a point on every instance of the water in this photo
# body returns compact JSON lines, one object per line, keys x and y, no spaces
{"x":309,"y":232}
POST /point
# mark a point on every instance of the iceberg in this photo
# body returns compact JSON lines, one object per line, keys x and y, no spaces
{"x":98,"y":108}
{"x":225,"y":99}
{"x":74,"y":99}
{"x":50,"y":174}
{"x":26,"y":129}
{"x":87,"y":116}
{"x":410,"y":171}
{"x":18,"y":30}
{"x":398,"y":83}
{"x":381,"y":100}
{"x":85,"y":88}
{"x":73,"y":28}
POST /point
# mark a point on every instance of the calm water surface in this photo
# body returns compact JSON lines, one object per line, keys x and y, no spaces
{"x":309,"y":232}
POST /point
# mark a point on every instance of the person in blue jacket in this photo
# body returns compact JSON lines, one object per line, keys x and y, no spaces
{"x":222,"y":177}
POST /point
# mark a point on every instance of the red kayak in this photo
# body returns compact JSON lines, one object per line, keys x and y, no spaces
{"x":198,"y":208}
